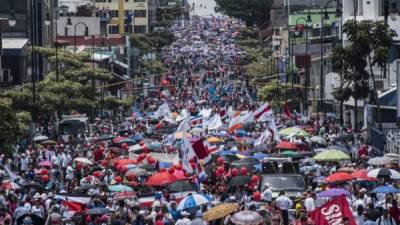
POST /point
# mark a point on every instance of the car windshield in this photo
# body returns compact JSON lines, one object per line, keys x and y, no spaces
{"x":72,"y":127}
{"x":284,"y":182}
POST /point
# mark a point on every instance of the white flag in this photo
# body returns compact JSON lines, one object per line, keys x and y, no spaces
{"x":187,"y":154}
{"x":214,"y":123}
{"x":247,"y":118}
{"x":205,"y":113}
{"x":163,"y":110}
{"x":183,"y":126}
{"x":272,"y":125}
{"x":263,"y":138}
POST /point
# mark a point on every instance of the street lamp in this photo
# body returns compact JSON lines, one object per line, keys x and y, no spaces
{"x":11,"y":23}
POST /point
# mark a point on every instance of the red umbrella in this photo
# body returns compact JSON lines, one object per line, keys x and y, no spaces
{"x":362,"y":175}
{"x":119,"y":139}
{"x":338,"y":177}
{"x":286,"y":145}
{"x":124,"y":195}
{"x":9,"y":185}
{"x":161,"y":179}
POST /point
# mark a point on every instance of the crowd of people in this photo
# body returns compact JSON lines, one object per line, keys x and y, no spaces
{"x":197,"y":152}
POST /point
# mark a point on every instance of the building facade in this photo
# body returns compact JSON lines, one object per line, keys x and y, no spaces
{"x":135,"y":19}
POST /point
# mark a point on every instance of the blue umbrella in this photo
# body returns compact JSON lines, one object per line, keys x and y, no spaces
{"x":138,"y":137}
{"x":386,"y":189}
{"x":260,"y":155}
{"x":192,"y":201}
{"x":227,"y":152}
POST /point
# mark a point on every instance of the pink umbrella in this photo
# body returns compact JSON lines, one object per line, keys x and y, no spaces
{"x":45,"y":163}
{"x":180,"y":174}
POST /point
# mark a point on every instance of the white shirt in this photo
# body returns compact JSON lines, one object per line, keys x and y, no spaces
{"x":309,"y":204}
{"x":183,"y":221}
{"x":267,"y":195}
{"x":284,"y":203}
{"x":24,"y":163}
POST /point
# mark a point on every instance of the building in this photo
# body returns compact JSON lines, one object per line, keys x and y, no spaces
{"x":134,"y":19}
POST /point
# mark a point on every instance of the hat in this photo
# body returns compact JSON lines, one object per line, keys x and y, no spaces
{"x":267,"y":184}
{"x":199,"y":214}
{"x":50,"y":195}
{"x":37,"y":195}
{"x":27,"y":220}
{"x":263,"y":208}
{"x":184,"y":213}
{"x":363,"y":190}
{"x":44,"y":196}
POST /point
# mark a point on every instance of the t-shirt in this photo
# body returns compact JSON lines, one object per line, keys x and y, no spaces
{"x":309,"y":204}
{"x":267,"y":195}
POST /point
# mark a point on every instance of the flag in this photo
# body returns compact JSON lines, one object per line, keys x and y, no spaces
{"x":235,"y":123}
{"x":199,"y":149}
{"x":214,"y":123}
{"x":187,"y":154}
{"x":230,"y":111}
{"x":247,"y":117}
{"x":163,"y":110}
{"x":223,"y":113}
{"x":286,"y":110}
{"x":263,"y":138}
{"x":196,"y":121}
{"x":183,"y":126}
{"x":182,"y":115}
{"x":262,"y":113}
{"x":273,"y":129}
{"x":205,"y":113}
{"x":333,"y":212}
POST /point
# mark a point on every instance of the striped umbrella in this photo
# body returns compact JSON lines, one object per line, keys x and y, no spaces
{"x":192,"y":201}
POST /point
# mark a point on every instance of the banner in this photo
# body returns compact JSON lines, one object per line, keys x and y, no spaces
{"x":333,"y":212}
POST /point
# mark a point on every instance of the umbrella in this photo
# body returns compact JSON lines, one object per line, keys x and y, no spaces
{"x":40,"y":138}
{"x":135,"y":148}
{"x":33,"y":187}
{"x":137,"y":172}
{"x":260,"y":155}
{"x":318,"y":140}
{"x":289,"y":154}
{"x":346,"y":169}
{"x":124,"y":195}
{"x":296,"y":131}
{"x":333,"y":193}
{"x":247,"y":217}
{"x":331,"y":155}
{"x":161,"y":179}
{"x":86,"y":187}
{"x":286,"y":145}
{"x":383,"y":172}
{"x":119,"y":188}
{"x":181,"y":186}
{"x":338,"y":177}
{"x":105,"y":137}
{"x":48,"y":142}
{"x":392,"y":155}
{"x":192,"y":201}
{"x":45,"y":163}
{"x":386,"y":189}
{"x":220,"y":211}
{"x":9,"y":185}
{"x":98,"y":211}
{"x":83,"y":160}
{"x":214,"y":140}
{"x":362,"y":175}
{"x":117,"y":150}
{"x":36,"y":220}
{"x":239,"y":181}
{"x":148,"y":167}
{"x":246,"y":161}
{"x":378,"y":161}
{"x":127,"y":141}
{"x":337,"y":148}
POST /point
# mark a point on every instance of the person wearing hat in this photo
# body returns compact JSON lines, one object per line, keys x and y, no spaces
{"x":184,"y":220}
{"x":198,"y":220}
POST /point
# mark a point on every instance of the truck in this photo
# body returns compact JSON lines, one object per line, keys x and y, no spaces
{"x":73,"y":125}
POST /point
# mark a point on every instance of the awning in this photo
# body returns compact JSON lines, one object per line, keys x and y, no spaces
{"x":14,"y":46}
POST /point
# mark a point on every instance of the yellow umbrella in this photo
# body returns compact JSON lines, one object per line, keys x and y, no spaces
{"x":220,"y":211}
{"x":179,"y":135}
{"x":213,"y":140}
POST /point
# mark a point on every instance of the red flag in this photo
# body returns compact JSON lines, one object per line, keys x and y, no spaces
{"x":286,"y":110}
{"x":333,"y":212}
{"x":199,"y":149}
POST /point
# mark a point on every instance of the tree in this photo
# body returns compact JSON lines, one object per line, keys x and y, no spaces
{"x":84,"y":10}
{"x":370,"y":43}
{"x":13,"y":125}
{"x":252,"y":12}
{"x":74,"y":91}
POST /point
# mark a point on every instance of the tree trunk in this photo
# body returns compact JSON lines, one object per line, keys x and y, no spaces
{"x":376,"y":98}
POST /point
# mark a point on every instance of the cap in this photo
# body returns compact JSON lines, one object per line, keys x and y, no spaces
{"x":363,"y":190}
{"x":184,"y":213}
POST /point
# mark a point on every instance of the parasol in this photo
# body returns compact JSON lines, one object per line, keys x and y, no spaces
{"x":247,"y":217}
{"x":120,"y":188}
{"x":338,"y":177}
{"x":192,"y":201}
{"x":181,"y":186}
{"x":83,"y":160}
{"x":220,"y":211}
{"x":161,"y":179}
{"x":239,"y":181}
{"x":331,"y":155}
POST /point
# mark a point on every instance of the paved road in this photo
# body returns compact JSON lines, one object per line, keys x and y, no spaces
{"x":203,"y":7}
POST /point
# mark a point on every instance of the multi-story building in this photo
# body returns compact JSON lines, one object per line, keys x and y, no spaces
{"x":134,"y":19}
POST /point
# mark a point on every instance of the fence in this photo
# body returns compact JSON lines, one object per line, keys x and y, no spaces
{"x":387,"y":139}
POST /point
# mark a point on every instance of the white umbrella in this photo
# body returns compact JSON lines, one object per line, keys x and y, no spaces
{"x":83,"y":160}
{"x":40,"y":138}
{"x":383,"y":172}
{"x":378,"y":161}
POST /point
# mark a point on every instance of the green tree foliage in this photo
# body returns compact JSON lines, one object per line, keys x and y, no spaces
{"x":13,"y":125}
{"x":252,"y":12}
{"x":74,"y":91}
{"x":370,"y":43}
{"x":274,"y":93}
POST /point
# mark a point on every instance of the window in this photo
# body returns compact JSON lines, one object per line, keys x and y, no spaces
{"x":140,"y":13}
{"x":139,"y":0}
{"x":140,"y":29}
{"x":128,"y":12}
{"x":113,"y":29}
{"x":101,"y":1}
{"x":113,"y":13}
